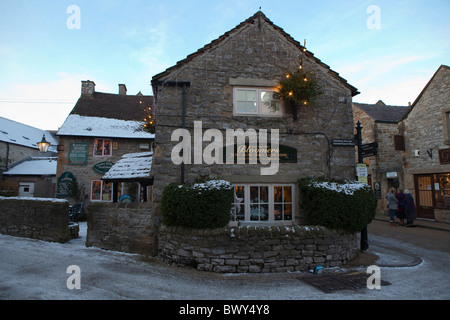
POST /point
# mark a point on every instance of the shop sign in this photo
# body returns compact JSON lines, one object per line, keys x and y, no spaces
{"x":444,"y":156}
{"x":64,"y":185}
{"x":78,"y":153}
{"x":103,"y":167}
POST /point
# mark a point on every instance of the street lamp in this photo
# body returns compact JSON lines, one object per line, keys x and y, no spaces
{"x":43,"y":145}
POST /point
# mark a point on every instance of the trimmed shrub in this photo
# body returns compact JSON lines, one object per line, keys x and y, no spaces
{"x":345,"y":205}
{"x":199,"y":206}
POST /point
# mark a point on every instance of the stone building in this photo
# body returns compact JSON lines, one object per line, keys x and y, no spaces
{"x":231,"y":84}
{"x":98,"y":132}
{"x":426,"y":158}
{"x":379,"y":124}
{"x":18,"y":144}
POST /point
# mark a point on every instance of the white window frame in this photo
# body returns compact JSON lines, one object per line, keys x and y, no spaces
{"x":271,"y":204}
{"x":103,"y":148}
{"x":258,"y":111}
{"x":101,"y":192}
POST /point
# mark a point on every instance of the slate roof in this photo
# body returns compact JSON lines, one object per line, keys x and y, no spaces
{"x":132,"y":167}
{"x":36,"y":166}
{"x":21,"y":134}
{"x":115,"y":106}
{"x":251,"y":20}
{"x":381,"y":112}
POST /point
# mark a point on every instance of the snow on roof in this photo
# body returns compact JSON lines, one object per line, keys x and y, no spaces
{"x":34,"y":166}
{"x":76,"y":125}
{"x":131,"y":166}
{"x":24,"y":135}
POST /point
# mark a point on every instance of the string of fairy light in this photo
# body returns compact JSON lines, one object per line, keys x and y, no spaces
{"x":149,"y":122}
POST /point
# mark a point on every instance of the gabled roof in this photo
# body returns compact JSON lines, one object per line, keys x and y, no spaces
{"x":132,"y":167}
{"x":381,"y":112}
{"x":21,"y":134}
{"x":37,"y":166}
{"x":253,"y":19}
{"x":442,"y":67}
{"x":114,"y":106}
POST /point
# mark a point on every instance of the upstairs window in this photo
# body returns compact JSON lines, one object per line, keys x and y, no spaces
{"x":253,"y":101}
{"x":102,"y":147}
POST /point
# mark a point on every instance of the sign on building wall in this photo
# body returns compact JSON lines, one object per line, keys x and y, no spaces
{"x":78,"y":153}
{"x":64,"y":186}
{"x":103,"y":167}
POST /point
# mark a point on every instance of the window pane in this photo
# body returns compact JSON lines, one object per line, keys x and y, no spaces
{"x":98,"y":147}
{"x":278,"y":212}
{"x":246,"y":107}
{"x":287,"y":194}
{"x":254,"y":198}
{"x":107,"y":192}
{"x":277,"y":194}
{"x":287,"y":212}
{"x":96,"y":190}
{"x":238,"y":207}
{"x":269,"y":104}
{"x":264,"y":212}
{"x":254,"y":212}
{"x":107,"y":148}
{"x":264,"y":194}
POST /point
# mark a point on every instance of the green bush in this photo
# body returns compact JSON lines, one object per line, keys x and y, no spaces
{"x":342,"y":205}
{"x":199,"y":205}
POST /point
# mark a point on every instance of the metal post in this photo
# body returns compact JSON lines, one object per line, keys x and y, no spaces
{"x":183,"y":125}
{"x":364,"y":245}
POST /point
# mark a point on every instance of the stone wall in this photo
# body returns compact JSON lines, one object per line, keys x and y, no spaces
{"x":256,"y":54}
{"x":36,"y":218}
{"x":126,"y":227}
{"x":256,"y":248}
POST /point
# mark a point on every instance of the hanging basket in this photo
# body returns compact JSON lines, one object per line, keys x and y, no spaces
{"x":299,"y":88}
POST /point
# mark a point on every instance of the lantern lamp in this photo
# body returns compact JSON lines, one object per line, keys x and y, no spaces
{"x":43,"y":145}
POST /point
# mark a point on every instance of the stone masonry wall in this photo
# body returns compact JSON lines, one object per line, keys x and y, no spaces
{"x":255,"y":54}
{"x":126,"y":227}
{"x":37,"y":218}
{"x":256,"y":248}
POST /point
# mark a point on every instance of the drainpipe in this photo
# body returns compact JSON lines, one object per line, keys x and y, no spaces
{"x":184,"y":85}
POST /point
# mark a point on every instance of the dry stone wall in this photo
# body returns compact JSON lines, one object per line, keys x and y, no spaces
{"x":256,"y":248}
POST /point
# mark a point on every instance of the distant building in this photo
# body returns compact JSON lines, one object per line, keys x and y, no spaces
{"x":34,"y":177}
{"x":101,"y":128}
{"x":18,"y":141}
{"x":426,"y":155}
{"x":379,"y":124}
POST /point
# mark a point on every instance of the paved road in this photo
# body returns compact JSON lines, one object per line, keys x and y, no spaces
{"x":415,"y":262}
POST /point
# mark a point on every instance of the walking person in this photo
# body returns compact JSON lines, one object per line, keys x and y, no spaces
{"x":400,"y":206}
{"x":392,"y":205}
{"x":410,"y":209}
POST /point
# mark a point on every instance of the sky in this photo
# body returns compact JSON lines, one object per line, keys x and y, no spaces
{"x":388,"y":50}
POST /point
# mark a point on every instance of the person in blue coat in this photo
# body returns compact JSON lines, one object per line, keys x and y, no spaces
{"x":410,"y":209}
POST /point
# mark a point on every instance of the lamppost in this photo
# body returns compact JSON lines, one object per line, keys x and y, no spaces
{"x":43,"y":145}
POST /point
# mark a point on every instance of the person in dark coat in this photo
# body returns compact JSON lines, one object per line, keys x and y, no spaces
{"x":410,"y":209}
{"x":400,"y":213}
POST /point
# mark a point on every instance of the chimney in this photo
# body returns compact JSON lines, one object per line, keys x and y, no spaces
{"x":87,"y":88}
{"x":122,"y":90}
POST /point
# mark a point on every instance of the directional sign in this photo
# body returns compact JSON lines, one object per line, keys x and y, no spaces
{"x":370,"y":149}
{"x":343,"y":142}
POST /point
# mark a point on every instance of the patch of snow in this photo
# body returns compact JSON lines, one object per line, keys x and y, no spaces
{"x":76,"y":125}
{"x":34,"y":199}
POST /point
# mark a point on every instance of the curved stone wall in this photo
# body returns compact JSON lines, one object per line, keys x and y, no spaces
{"x":256,"y":248}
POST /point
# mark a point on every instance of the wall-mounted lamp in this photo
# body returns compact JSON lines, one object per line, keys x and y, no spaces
{"x":43,"y":145}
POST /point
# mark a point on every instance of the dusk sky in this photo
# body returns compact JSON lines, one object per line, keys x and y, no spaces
{"x":388,"y":50}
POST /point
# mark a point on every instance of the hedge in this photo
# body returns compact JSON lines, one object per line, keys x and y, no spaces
{"x":198,"y":205}
{"x":349,"y":206}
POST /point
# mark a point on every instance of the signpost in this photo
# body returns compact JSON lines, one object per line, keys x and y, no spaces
{"x":364,"y":243}
{"x":369,"y":149}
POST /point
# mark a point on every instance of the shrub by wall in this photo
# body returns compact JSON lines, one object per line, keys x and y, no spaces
{"x":342,"y":205}
{"x":198,"y":205}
